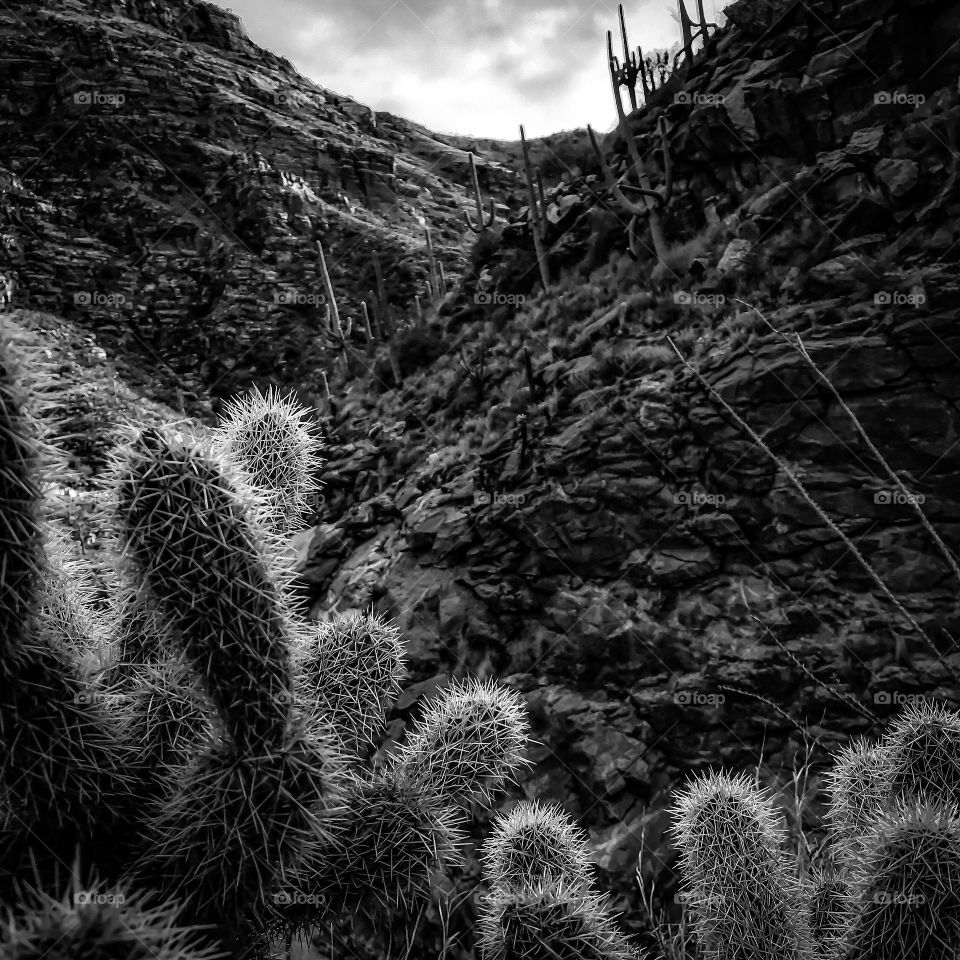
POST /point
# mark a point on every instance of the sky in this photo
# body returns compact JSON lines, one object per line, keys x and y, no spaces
{"x":472,"y":67}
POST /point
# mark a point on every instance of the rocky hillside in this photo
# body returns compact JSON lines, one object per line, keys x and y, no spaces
{"x":164,"y":181}
{"x":550,"y":495}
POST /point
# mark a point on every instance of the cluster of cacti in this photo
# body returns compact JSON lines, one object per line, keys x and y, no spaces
{"x":437,"y":284}
{"x":892,"y":891}
{"x":203,"y":785}
{"x":635,"y":66}
{"x":436,"y":288}
{"x":541,"y":903}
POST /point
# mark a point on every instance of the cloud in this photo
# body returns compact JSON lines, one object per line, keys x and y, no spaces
{"x":479,"y":68}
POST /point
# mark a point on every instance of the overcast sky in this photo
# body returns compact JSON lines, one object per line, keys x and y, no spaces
{"x":474,"y":67}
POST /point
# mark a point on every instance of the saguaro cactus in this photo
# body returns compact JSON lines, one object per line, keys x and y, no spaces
{"x":687,"y":32}
{"x":654,"y":200}
{"x":537,"y":211}
{"x":481,"y":225}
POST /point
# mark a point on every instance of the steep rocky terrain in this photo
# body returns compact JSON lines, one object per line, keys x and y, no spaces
{"x":549,"y":494}
{"x":171,"y":209}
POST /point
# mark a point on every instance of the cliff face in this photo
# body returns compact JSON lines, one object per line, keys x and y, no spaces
{"x":549,"y":494}
{"x":165,"y":180}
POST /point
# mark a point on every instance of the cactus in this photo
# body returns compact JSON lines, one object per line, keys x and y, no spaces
{"x":481,"y":225}
{"x":59,"y":751}
{"x":205,"y":762}
{"x":469,"y":741}
{"x":367,"y":327}
{"x":544,"y":920}
{"x":826,"y":892}
{"x":904,"y":896}
{"x":269,"y":440}
{"x":381,"y":304}
{"x":536,"y":841}
{"x":101,"y":923}
{"x":436,"y":285}
{"x":746,"y":899}
{"x":922,"y":754}
{"x":215,"y":584}
{"x":689,"y":36}
{"x":351,"y":669}
{"x":625,"y":74}
{"x":169,"y":719}
{"x":540,"y":904}
{"x":895,"y":894}
{"x":390,"y":839}
{"x":857,"y":791}
{"x":235,"y":826}
{"x":338,"y":331}
{"x":22,"y":558}
{"x":401,"y":824}
{"x":537,"y":213}
{"x":654,"y":200}
{"x":137,"y":636}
